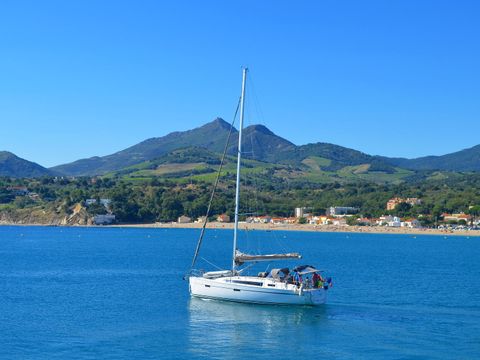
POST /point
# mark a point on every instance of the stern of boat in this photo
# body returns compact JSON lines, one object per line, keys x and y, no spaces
{"x":318,"y":296}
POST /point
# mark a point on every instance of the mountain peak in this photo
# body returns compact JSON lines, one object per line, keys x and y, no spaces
{"x":220,"y":121}
{"x":259,"y":128}
{"x":217,"y":123}
{"x":211,"y":136}
{"x":260,"y":143}
{"x":6,"y":154}
{"x":13,"y":166}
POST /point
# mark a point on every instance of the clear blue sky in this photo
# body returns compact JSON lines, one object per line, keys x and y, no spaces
{"x":391,"y":77}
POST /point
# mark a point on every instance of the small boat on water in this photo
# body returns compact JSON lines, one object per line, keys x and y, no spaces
{"x":302,"y":285}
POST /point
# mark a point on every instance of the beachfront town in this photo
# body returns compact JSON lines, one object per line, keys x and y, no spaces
{"x":99,"y":212}
{"x":340,"y":216}
{"x":344,"y":216}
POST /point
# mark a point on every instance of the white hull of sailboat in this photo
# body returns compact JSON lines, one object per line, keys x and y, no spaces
{"x":255,"y":290}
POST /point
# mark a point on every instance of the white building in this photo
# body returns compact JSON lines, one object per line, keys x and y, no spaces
{"x":396,"y":222}
{"x":300,"y":212}
{"x":384,"y":220}
{"x":411,"y":223}
{"x":184,"y":220}
{"x":339,"y":222}
{"x":341,"y":210}
{"x":103,"y":219}
{"x":104,"y":202}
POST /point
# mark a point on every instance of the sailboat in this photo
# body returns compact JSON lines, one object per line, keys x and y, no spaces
{"x":302,"y":285}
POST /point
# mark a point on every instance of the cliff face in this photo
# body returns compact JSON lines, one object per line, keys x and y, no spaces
{"x":39,"y":216}
{"x":78,"y":217}
{"x":29,"y":216}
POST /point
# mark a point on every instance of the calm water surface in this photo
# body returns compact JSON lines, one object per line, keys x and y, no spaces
{"x":101,"y":293}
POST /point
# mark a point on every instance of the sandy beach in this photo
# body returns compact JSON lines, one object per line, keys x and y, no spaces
{"x":307,"y":227}
{"x":281,"y":227}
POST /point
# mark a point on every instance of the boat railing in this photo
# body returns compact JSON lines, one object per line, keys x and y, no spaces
{"x":197,"y":272}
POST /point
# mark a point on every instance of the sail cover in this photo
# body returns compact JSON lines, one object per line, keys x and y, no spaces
{"x":241,"y":258}
{"x":306,"y":269}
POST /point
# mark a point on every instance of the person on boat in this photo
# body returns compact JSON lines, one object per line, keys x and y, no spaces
{"x":297,"y":278}
{"x":286,"y":274}
{"x":318,"y":280}
{"x":290,"y":278}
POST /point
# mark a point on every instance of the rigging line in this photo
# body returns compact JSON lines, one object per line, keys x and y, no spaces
{"x":253,"y":203}
{"x":200,"y":239}
{"x":256,"y":202}
{"x":256,"y":101}
{"x":218,"y":267}
{"x":259,"y":205}
{"x":246,"y":268}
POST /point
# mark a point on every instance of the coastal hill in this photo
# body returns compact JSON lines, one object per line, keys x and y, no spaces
{"x":14,"y":166}
{"x":319,"y":160}
{"x":464,"y":160}
{"x":211,"y":136}
{"x":260,"y":144}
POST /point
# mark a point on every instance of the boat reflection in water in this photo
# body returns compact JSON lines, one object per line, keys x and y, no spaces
{"x":227,"y":329}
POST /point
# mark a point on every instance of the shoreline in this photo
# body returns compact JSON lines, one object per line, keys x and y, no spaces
{"x":310,"y":228}
{"x":282,"y":227}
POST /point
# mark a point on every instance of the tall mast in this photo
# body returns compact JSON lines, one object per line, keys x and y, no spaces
{"x":239,"y":159}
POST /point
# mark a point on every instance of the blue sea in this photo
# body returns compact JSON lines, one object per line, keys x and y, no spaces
{"x":118,"y":293}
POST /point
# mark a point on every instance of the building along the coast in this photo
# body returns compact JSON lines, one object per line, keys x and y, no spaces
{"x":341,"y":210}
{"x":104,"y":219}
{"x":184,"y":220}
{"x":223,"y":218}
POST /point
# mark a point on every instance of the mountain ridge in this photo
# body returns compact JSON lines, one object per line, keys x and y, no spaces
{"x":467,"y":159}
{"x":209,"y":135}
{"x":12,"y":165}
{"x":261,"y":144}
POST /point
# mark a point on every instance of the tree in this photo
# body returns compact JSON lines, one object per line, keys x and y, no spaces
{"x":96,"y":209}
{"x":6,"y":196}
{"x":403,"y":209}
{"x":474,"y":210}
{"x":352,"y":220}
{"x":172,"y":208}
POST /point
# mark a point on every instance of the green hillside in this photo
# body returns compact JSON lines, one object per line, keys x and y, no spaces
{"x":13,"y":166}
{"x":211,"y":136}
{"x":464,"y":160}
{"x":318,"y":161}
{"x":200,"y":164}
{"x":259,"y":144}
